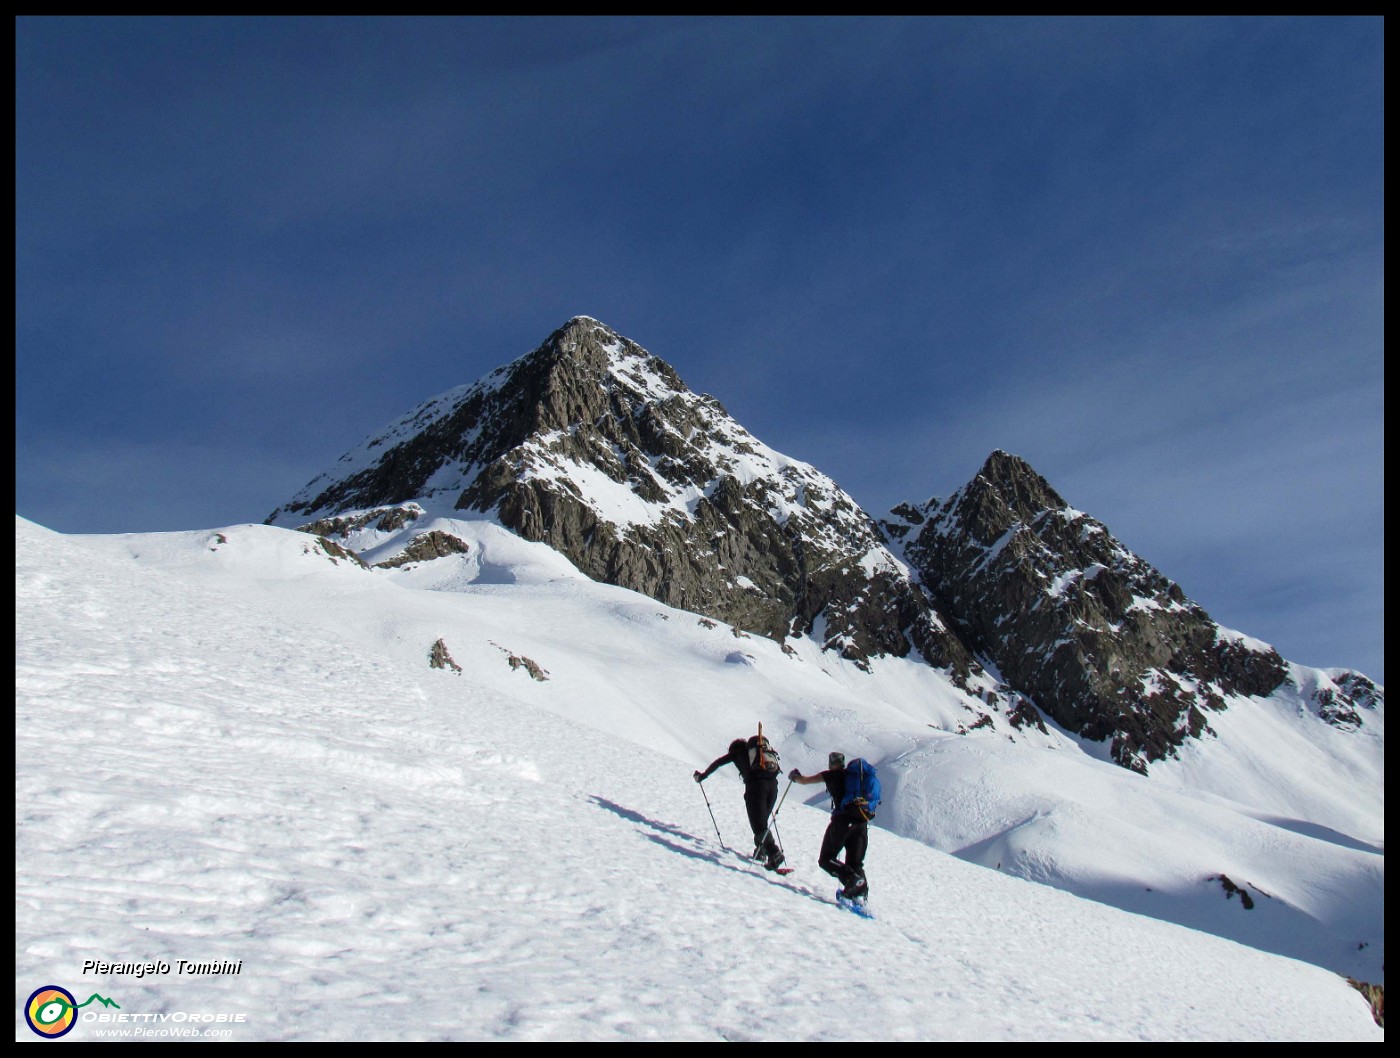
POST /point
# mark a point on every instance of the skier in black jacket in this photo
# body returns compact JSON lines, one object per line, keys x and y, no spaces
{"x":760,"y":792}
{"x":847,"y":830}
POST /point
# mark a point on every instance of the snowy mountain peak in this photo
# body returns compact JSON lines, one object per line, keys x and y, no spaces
{"x":437,"y":451}
{"x":1012,"y":483}
{"x":1099,"y":638}
{"x":596,"y":447}
{"x":585,"y":351}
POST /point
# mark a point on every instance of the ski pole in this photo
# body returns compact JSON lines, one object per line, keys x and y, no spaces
{"x":781,"y":800}
{"x":712,"y":815}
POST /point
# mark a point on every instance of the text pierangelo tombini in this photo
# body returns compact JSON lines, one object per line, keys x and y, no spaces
{"x":160,"y":966}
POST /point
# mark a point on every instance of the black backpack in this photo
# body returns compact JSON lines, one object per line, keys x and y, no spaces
{"x":759,"y":750}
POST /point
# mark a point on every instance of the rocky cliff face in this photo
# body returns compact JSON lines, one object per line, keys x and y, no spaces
{"x":595,"y":447}
{"x":1097,"y":637}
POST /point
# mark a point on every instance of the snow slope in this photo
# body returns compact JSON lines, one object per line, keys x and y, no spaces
{"x":231,"y":747}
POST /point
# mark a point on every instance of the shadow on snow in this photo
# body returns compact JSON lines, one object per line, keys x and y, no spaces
{"x":679,"y":840}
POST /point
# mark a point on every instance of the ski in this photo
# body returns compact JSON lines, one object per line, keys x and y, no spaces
{"x":758,"y":859}
{"x":752,"y":861}
{"x":855,"y":907}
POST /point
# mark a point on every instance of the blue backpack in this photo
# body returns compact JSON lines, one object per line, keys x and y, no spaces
{"x":862,"y":788}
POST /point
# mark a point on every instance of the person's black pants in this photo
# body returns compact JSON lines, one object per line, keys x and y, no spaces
{"x":851,"y":834}
{"x":759,"y":798}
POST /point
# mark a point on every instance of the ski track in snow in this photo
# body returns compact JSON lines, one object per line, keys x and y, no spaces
{"x":212,"y":772}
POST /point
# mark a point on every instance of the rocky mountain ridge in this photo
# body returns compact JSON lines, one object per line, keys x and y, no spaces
{"x":595,"y":447}
{"x":1095,"y":635}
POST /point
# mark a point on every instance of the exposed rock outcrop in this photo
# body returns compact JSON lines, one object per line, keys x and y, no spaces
{"x":1103,"y":642}
{"x":424,"y":548}
{"x":439,"y":658}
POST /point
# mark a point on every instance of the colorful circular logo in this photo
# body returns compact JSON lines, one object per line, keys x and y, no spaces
{"x":51,"y":1011}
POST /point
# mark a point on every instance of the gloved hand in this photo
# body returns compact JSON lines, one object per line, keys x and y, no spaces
{"x":698,"y":777}
{"x":794,"y":775}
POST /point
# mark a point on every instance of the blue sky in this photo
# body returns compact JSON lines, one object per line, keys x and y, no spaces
{"x":1146,"y":255}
